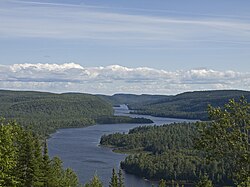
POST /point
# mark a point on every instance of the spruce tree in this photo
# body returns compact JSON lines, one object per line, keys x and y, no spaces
{"x":114,"y":179}
{"x":8,"y":154}
{"x":57,"y":173}
{"x":162,"y":183}
{"x":29,"y":159}
{"x":46,"y":166}
{"x":70,"y":178}
{"x":120,"y":179}
{"x":95,"y":182}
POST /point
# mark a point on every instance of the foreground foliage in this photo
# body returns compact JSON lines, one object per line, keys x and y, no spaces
{"x":23,"y":163}
{"x":227,"y":138}
{"x":186,"y":152}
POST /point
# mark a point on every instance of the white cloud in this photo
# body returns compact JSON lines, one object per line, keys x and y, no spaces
{"x":113,"y":79}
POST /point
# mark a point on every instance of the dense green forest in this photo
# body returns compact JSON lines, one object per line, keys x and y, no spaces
{"x":46,"y":112}
{"x":165,"y":152}
{"x":130,"y":99}
{"x":187,"y":152}
{"x":122,"y":119}
{"x":24,"y":160}
{"x":189,"y":105}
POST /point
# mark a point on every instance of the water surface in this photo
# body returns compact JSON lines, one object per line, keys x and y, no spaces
{"x":79,"y":149}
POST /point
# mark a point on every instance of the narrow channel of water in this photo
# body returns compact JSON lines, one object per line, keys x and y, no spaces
{"x":79,"y":149}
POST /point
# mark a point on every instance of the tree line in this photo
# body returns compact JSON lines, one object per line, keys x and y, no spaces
{"x":218,"y":149}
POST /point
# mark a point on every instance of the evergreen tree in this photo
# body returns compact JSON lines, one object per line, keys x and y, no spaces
{"x":38,"y":159}
{"x":95,"y":182}
{"x":22,"y":163}
{"x":70,"y":179}
{"x":57,"y":173}
{"x":8,"y":154}
{"x":29,"y":159}
{"x":46,"y":166}
{"x":114,"y":179}
{"x":120,"y":179}
{"x":227,"y":137}
{"x":162,"y":183}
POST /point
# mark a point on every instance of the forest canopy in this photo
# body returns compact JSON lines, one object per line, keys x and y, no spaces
{"x":186,"y":152}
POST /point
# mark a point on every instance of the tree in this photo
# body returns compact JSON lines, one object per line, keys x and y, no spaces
{"x":22,"y":163}
{"x":8,"y":159}
{"x":162,"y":183}
{"x":114,"y":179}
{"x":57,"y":173}
{"x":46,"y":169}
{"x":226,"y":138}
{"x":70,"y":179}
{"x":120,"y":179}
{"x":95,"y":182}
{"x":204,"y":182}
{"x":29,"y":158}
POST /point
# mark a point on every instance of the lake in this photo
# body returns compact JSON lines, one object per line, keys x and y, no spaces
{"x":79,"y":149}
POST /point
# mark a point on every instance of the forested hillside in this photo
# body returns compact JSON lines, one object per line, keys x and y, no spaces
{"x":188,"y":152}
{"x":189,"y":105}
{"x":132,"y":99}
{"x":165,"y":152}
{"x":45,"y":112}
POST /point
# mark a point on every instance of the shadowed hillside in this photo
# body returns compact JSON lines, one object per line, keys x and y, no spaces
{"x":190,"y":105}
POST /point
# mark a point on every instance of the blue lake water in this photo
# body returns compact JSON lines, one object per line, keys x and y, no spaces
{"x":79,"y":149}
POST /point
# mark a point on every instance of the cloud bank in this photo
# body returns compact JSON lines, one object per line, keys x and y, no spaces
{"x":72,"y":77}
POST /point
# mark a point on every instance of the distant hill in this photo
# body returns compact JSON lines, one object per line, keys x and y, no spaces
{"x":132,"y":99}
{"x":46,"y":112}
{"x":189,"y":105}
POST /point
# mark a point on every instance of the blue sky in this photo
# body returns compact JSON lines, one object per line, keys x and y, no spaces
{"x":162,"y":35}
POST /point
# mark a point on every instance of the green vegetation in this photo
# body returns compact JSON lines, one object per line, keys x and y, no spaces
{"x":155,"y":139}
{"x":189,"y":105}
{"x":121,"y":119}
{"x":24,"y":164}
{"x":131,"y":99}
{"x":94,"y":182}
{"x":227,"y":137}
{"x":215,"y":151}
{"x":164,"y":152}
{"x":204,"y":182}
{"x":46,"y":112}
{"x":206,"y":153}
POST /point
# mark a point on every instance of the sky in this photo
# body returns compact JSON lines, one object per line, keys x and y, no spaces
{"x":117,"y":46}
